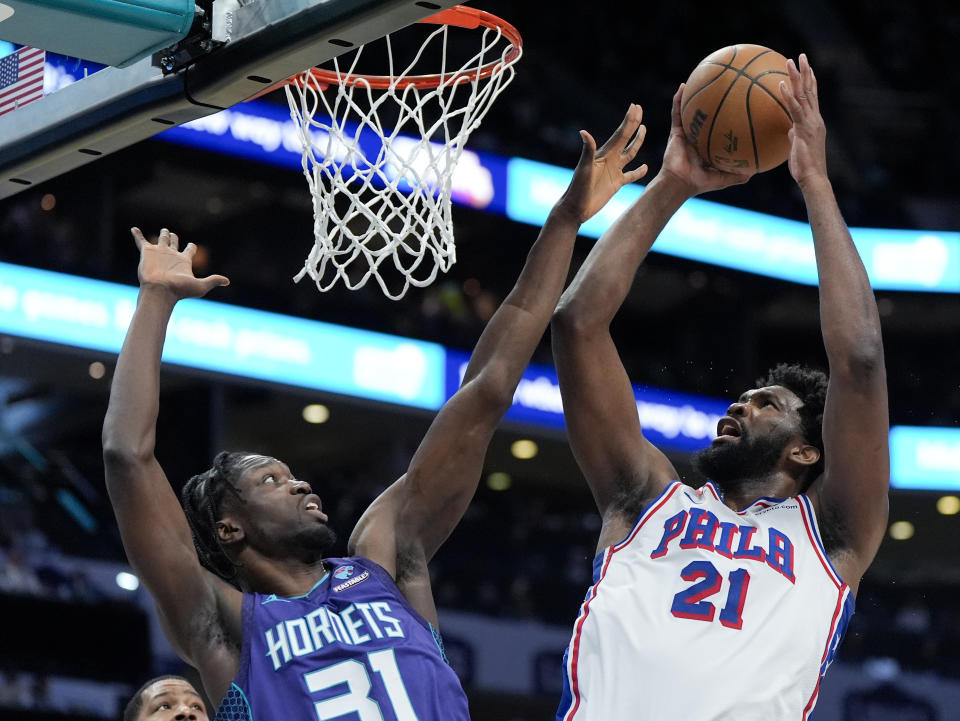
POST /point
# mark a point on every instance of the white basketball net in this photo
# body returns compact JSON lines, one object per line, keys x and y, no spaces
{"x":385,"y":212}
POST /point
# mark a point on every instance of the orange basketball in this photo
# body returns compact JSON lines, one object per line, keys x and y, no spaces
{"x":733,"y":112}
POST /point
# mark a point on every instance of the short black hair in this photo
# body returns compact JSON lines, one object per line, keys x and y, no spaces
{"x":202,"y":498}
{"x":810,"y":386}
{"x":132,"y":709}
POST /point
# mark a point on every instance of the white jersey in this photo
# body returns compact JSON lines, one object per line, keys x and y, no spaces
{"x":707,"y":614}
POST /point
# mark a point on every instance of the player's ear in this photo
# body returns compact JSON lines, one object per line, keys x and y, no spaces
{"x":229,"y":531}
{"x":804,"y":454}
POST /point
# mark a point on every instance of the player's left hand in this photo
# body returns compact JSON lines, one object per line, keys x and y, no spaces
{"x":164,"y":265}
{"x":808,"y":155}
{"x":600,"y":174}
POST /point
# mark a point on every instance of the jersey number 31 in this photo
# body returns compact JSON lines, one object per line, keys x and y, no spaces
{"x":357,"y":699}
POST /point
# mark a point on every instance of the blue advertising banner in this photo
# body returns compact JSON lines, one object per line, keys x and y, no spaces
{"x":671,"y":420}
{"x":925,"y":458}
{"x":228,"y":339}
{"x":709,"y":232}
{"x":207,"y":335}
{"x":265,"y":132}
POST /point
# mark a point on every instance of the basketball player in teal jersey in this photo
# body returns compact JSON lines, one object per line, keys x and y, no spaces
{"x":727,"y":601}
{"x":275,"y":628}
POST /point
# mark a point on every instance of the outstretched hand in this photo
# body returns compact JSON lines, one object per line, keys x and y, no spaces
{"x":808,"y":154}
{"x":163,"y":264}
{"x":600,"y":174}
{"x":681,"y":161}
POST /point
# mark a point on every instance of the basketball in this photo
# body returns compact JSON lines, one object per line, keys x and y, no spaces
{"x":732,"y":110}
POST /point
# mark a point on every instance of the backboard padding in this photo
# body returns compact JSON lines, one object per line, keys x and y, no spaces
{"x":265,"y":41}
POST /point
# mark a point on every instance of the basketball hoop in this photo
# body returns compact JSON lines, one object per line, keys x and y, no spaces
{"x":383,"y":192}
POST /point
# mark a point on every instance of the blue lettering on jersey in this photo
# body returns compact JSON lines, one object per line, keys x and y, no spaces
{"x":672,"y":528}
{"x":725,"y":545}
{"x":744,"y":550}
{"x":699,"y":528}
{"x":780,"y":554}
{"x":353,"y":626}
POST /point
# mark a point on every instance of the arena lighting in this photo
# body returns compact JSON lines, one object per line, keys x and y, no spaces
{"x":211,"y":336}
{"x":97,"y":370}
{"x":316,"y":413}
{"x":524,"y":449}
{"x":948,"y":505}
{"x":127,"y":581}
{"x":901,"y":530}
{"x":499,"y":481}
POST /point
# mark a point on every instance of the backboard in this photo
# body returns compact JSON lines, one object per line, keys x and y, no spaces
{"x":252,"y":45}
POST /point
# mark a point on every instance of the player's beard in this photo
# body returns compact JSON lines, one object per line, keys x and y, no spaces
{"x":308,"y":543}
{"x":314,"y":541}
{"x":733,"y":465}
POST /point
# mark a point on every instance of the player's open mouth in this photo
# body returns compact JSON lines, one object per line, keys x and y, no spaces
{"x":313,"y":507}
{"x":728,"y":427}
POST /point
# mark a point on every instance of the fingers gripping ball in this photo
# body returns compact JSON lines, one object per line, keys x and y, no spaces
{"x":732,"y":110}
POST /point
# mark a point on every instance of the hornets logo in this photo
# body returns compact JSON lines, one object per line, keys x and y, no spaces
{"x":343,"y":572}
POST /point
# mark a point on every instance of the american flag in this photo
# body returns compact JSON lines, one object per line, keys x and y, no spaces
{"x":21,"y":78}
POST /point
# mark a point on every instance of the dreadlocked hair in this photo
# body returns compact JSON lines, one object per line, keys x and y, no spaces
{"x":202,"y":498}
{"x":810,"y":386}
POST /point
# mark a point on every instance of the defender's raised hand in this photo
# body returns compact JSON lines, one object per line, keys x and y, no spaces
{"x":600,"y":174}
{"x":808,"y":155}
{"x":681,"y":160}
{"x":163,"y":264}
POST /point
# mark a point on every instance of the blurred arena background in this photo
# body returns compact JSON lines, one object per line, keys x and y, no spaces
{"x":79,"y":635}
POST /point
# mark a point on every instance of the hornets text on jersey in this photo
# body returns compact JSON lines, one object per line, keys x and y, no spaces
{"x":351,"y":647}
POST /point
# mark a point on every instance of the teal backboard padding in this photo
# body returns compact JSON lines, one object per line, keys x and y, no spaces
{"x":112,"y":32}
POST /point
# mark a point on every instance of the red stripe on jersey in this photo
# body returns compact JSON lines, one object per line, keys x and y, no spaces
{"x":575,"y":650}
{"x":815,"y":542}
{"x":833,"y":629}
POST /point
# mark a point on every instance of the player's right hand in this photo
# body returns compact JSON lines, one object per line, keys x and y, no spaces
{"x":682,"y":164}
{"x":163,"y":264}
{"x":600,"y":173}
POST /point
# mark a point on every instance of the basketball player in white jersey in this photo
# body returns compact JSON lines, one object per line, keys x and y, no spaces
{"x":725,"y":602}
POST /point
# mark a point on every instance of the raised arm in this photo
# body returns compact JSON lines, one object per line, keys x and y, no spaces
{"x":852,"y":493}
{"x":154,"y":530}
{"x":598,"y":401}
{"x":417,"y":513}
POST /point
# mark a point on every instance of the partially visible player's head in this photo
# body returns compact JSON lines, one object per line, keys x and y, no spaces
{"x":248,"y":500}
{"x":166,"y":698}
{"x":783,"y":414}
